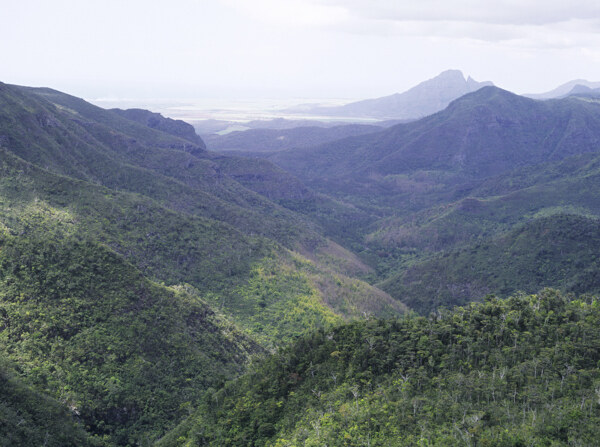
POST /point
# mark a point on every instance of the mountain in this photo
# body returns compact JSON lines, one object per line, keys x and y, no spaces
{"x":563,"y":89}
{"x":460,"y":181}
{"x":424,"y":99}
{"x":481,"y":135}
{"x":557,"y":251}
{"x":176,"y":128}
{"x":521,"y":371}
{"x":152,"y":289}
{"x":584,"y":92}
{"x":270,"y":140}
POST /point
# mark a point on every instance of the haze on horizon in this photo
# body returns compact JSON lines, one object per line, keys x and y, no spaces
{"x":293,"y":48}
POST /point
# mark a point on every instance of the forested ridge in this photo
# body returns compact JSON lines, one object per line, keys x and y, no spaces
{"x":513,"y":372}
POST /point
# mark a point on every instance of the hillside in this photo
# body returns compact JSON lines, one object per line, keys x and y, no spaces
{"x":558,"y":251}
{"x":124,"y":354}
{"x":521,"y":371}
{"x":28,"y":417}
{"x":137,"y":271}
{"x":69,"y":136}
{"x":173,"y":127}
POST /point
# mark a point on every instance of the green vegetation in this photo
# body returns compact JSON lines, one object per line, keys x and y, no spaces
{"x":140,"y":273}
{"x":287,"y":296}
{"x":126,"y":355}
{"x":28,"y":417}
{"x":115,"y":241}
{"x":560,"y":251}
{"x":521,"y":371}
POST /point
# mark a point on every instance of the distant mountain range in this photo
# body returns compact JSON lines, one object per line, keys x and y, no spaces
{"x":482,"y":134}
{"x":424,"y":99}
{"x":564,"y":89}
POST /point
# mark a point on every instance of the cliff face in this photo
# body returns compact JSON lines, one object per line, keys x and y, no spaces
{"x":153,"y":120}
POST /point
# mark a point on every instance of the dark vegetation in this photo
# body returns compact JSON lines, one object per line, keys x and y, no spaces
{"x":559,"y":251}
{"x":521,"y":371}
{"x":28,"y":417}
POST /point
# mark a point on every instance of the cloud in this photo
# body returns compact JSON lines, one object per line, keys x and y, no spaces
{"x":527,"y":23}
{"x":553,"y":24}
{"x":501,"y":12}
{"x":291,"y":12}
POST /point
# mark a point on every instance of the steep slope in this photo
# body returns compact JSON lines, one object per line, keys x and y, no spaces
{"x":124,"y":354}
{"x":424,"y":99}
{"x":558,"y":251}
{"x":521,"y":371}
{"x":213,"y":257}
{"x":177,"y":233}
{"x":100,"y":146}
{"x":28,"y":417}
{"x":69,"y":136}
{"x":114,"y":261}
{"x":173,"y":127}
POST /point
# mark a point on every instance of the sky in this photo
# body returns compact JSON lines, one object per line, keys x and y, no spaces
{"x":181,"y":49}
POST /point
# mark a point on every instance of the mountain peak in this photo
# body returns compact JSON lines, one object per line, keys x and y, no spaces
{"x":451,"y":74}
{"x":424,"y":99}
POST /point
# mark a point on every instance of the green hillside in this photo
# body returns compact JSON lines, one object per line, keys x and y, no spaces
{"x":125,"y":354}
{"x":137,"y":271}
{"x":523,"y":371}
{"x":560,"y":251}
{"x":28,"y":417}
{"x":69,"y":136}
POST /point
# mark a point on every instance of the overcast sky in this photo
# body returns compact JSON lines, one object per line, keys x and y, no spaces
{"x":293,"y":48}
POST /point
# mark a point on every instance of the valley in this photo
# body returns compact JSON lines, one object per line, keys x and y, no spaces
{"x":429,"y":278}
